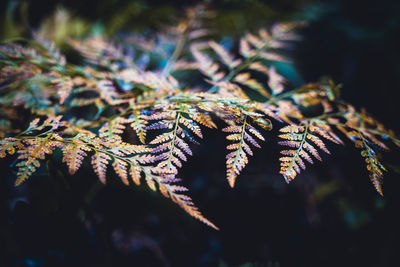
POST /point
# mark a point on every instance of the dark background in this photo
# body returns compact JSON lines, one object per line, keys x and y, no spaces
{"x":329,"y":216}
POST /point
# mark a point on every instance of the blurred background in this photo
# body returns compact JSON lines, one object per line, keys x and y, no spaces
{"x":329,"y":216}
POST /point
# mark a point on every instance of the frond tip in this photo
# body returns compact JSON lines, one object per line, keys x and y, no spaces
{"x":169,"y":189}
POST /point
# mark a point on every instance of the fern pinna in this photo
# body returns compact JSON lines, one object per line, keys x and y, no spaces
{"x":135,"y":113}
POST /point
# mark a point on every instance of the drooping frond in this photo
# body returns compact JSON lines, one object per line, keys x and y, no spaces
{"x":242,"y":135}
{"x":74,"y":154}
{"x":171,"y":147}
{"x":31,"y":151}
{"x":30,"y":156}
{"x":374,"y":167}
{"x":168,"y":188}
{"x":305,"y":140}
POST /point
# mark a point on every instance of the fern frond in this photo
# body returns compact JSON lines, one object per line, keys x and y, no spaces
{"x":166,"y":142}
{"x":369,"y":127}
{"x":206,"y":65}
{"x":103,"y":53}
{"x":8,"y":146}
{"x":64,"y":87}
{"x":306,"y":143}
{"x":275,"y":81}
{"x":37,"y":149}
{"x":113,"y":129}
{"x":120,"y":168}
{"x":229,"y":90}
{"x":255,"y":46}
{"x":244,"y":79}
{"x":139,"y":124}
{"x":287,"y":111}
{"x":181,"y":124}
{"x":99,"y":162}
{"x":74,"y":154}
{"x":148,"y":80}
{"x":237,"y":159}
{"x":225,"y":56}
{"x":374,"y":167}
{"x":25,"y":171}
{"x":203,"y":119}
{"x":49,"y":50}
{"x":135,"y":174}
{"x":33,"y":151}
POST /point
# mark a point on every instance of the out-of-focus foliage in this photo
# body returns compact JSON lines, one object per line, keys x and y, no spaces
{"x":135,"y":103}
{"x":139,"y":15}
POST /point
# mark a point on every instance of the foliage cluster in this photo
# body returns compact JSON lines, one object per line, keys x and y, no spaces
{"x":134,"y":104}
